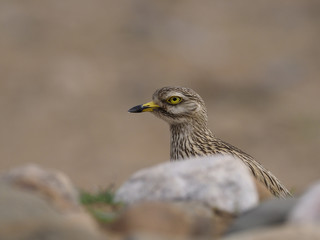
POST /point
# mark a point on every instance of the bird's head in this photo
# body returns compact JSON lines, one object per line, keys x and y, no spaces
{"x":175,"y":105}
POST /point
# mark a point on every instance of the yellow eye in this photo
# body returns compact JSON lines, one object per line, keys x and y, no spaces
{"x":174,"y":100}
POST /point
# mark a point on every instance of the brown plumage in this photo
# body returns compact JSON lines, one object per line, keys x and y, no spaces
{"x":186,"y":114}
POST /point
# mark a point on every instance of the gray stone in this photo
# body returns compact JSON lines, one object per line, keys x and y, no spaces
{"x":26,"y":216}
{"x":267,"y":214}
{"x":219,"y":181}
{"x":308,"y":208}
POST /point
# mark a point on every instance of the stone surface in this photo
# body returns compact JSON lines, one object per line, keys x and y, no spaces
{"x":285,"y":232}
{"x":267,"y":214}
{"x":185,"y":220}
{"x":26,"y":216}
{"x":53,"y":185}
{"x":221,"y":182}
{"x":221,"y":222}
{"x":148,"y":236}
{"x":165,"y":219}
{"x":304,"y":210}
{"x":308,"y":208}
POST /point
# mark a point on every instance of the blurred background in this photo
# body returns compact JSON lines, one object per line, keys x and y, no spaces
{"x":70,"y":70}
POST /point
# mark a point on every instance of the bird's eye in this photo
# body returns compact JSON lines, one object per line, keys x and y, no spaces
{"x":174,"y":100}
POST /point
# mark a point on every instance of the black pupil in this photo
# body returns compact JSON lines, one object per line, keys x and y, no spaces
{"x":174,"y":99}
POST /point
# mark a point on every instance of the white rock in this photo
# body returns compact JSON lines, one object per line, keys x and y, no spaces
{"x":219,"y":181}
{"x":308,"y":208}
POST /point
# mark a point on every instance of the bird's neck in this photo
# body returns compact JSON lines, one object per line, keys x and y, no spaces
{"x":189,"y":140}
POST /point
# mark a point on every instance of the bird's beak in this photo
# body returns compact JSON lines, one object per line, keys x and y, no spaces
{"x":147,"y":107}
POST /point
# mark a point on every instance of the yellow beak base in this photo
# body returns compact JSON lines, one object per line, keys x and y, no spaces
{"x":147,"y":107}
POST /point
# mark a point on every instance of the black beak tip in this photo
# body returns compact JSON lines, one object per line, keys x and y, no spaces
{"x":136,"y":109}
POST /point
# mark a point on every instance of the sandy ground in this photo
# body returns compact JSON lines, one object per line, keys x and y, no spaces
{"x":70,"y":71}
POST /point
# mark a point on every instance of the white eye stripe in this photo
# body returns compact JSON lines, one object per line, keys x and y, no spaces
{"x":174,"y":94}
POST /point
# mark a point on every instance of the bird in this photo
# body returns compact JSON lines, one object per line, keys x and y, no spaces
{"x":185,"y":112}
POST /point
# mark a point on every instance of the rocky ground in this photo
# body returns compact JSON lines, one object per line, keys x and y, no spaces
{"x":216,"y":199}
